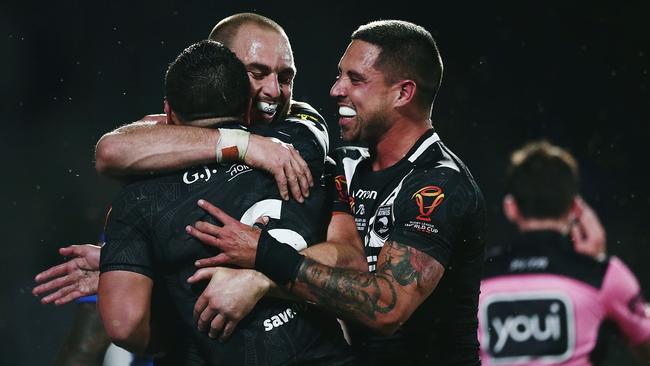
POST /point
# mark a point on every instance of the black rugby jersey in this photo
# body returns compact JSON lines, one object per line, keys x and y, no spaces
{"x":429,"y":201}
{"x":145,"y":234}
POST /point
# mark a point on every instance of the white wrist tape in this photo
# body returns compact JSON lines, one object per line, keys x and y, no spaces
{"x":232,"y":145}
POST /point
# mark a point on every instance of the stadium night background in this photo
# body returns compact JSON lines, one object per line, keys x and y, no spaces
{"x":574,"y":73}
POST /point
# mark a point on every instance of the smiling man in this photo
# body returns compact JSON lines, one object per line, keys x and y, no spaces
{"x":416,"y":206}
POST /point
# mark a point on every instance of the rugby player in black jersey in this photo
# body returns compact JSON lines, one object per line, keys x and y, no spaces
{"x":416,"y":206}
{"x":148,"y":256}
{"x":150,"y":145}
{"x":271,"y":73}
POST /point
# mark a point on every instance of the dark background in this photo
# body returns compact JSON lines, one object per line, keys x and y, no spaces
{"x":575,"y":73}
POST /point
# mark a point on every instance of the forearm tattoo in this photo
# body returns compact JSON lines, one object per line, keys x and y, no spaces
{"x":407,"y":265}
{"x":346,"y":291}
{"x":356,"y":294}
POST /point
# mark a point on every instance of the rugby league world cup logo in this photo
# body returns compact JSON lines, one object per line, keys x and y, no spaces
{"x":427,"y":199}
{"x":342,"y":189}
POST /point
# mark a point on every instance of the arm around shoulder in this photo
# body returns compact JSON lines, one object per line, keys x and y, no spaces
{"x":143,"y":147}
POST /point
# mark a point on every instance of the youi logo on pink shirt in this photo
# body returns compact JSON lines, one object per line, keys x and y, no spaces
{"x":518,"y":327}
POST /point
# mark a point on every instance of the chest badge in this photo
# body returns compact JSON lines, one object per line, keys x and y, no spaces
{"x":383,"y":221}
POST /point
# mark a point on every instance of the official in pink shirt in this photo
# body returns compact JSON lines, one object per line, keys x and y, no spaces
{"x":546,"y":294}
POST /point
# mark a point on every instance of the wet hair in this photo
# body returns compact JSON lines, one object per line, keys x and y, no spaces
{"x":543,"y":179}
{"x":207,"y":80}
{"x":408,"y":51}
{"x":227,"y":28}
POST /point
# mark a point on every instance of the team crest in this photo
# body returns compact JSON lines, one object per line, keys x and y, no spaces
{"x":341,"y":188}
{"x":383,"y":221}
{"x":427,"y":199}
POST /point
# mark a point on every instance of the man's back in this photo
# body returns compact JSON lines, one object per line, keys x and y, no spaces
{"x":541,"y":302}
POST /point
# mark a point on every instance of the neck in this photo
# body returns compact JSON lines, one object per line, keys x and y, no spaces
{"x":393,"y":144}
{"x":560,"y":225}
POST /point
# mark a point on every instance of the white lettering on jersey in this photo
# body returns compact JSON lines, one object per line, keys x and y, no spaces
{"x":279,"y":319}
{"x":362,"y":194}
{"x":192,"y":176}
{"x":237,"y":169}
{"x":534,"y":263}
{"x":361,"y":210}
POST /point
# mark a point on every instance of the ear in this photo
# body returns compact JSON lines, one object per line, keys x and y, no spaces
{"x":168,"y":111}
{"x":406,"y":92}
{"x":577,"y":206}
{"x":172,"y":119}
{"x":510,"y":209}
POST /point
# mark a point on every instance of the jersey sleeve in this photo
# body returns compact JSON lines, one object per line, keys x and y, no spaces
{"x":337,"y":186}
{"x":624,"y":303}
{"x":427,"y":213}
{"x":306,"y":130}
{"x":127,"y":246}
{"x":303,"y":114}
{"x":345,"y":160}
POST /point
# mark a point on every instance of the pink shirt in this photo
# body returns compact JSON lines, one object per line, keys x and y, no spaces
{"x":540,"y":318}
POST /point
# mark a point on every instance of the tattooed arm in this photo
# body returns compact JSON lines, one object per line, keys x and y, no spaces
{"x":383,"y":300}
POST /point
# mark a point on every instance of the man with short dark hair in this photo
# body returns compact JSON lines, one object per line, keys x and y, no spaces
{"x":533,"y":170}
{"x":195,"y":85}
{"x":416,"y":206}
{"x":542,"y":301}
{"x":145,"y":301}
